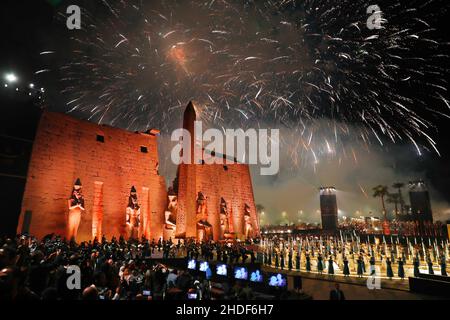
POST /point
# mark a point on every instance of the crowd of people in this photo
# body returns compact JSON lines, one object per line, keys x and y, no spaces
{"x":32,"y":269}
{"x":402,"y":228}
{"x":114,"y":270}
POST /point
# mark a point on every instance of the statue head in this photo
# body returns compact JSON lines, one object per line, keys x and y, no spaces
{"x":247,"y":210}
{"x":200,"y":198}
{"x":77,"y":185}
{"x":223,"y":206}
{"x":76,"y":191}
{"x":132,"y":199}
{"x":172,"y":202}
{"x":173,"y":199}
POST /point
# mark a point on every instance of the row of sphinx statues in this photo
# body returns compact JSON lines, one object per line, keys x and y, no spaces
{"x":133,"y":216}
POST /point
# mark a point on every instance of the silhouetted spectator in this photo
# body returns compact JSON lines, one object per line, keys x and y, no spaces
{"x":337,"y":293}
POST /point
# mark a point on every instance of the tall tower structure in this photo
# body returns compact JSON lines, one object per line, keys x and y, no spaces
{"x":187,"y":181}
{"x":420,"y":201}
{"x":328,"y":208}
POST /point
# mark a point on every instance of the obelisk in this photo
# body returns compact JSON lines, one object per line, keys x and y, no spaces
{"x":186,"y":216}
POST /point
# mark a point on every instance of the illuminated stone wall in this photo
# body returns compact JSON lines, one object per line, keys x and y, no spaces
{"x":66,"y":149}
{"x":229,"y":181}
{"x":109,"y":161}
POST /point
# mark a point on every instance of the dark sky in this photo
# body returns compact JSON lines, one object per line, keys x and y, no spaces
{"x":29,"y":27}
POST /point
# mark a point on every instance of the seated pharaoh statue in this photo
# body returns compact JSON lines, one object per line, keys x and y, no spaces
{"x":248,"y":227}
{"x":224,"y":221}
{"x":170,"y":215}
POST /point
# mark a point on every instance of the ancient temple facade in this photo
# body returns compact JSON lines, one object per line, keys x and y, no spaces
{"x":215,"y":201}
{"x":208,"y":201}
{"x":108,"y":161}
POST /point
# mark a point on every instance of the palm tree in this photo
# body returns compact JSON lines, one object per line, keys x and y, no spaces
{"x":260,"y":210}
{"x":381,"y":191}
{"x":399,"y":186}
{"x":395,"y":199}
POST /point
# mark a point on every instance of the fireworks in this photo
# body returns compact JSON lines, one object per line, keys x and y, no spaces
{"x":312,"y":65}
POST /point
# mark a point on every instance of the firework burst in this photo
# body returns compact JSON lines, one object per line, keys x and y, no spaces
{"x":311,"y":65}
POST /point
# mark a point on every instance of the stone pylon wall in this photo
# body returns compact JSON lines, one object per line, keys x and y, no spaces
{"x":66,"y":149}
{"x":229,"y":181}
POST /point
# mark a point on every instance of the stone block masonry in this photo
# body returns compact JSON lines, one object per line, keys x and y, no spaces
{"x":108,"y":161}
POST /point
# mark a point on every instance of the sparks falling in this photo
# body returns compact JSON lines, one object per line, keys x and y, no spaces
{"x":312,"y":65}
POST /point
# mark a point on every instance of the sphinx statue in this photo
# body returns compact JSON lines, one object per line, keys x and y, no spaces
{"x":203,"y":226}
{"x":248,"y":227}
{"x":133,"y":215}
{"x":170,"y":215}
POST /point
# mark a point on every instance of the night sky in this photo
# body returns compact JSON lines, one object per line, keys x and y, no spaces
{"x":137,"y":74}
